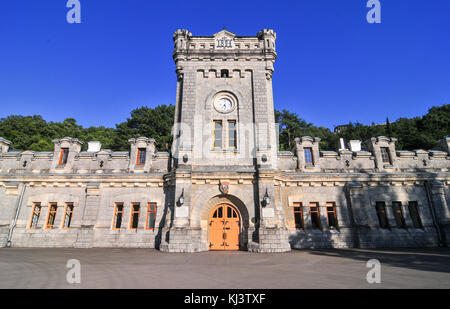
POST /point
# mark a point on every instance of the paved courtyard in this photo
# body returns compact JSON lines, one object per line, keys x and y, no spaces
{"x":145,"y":268}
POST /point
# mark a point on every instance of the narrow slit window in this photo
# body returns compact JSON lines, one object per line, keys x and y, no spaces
{"x":142,"y":152}
{"x":51,"y":216}
{"x":217,"y":134}
{"x":151,"y":216}
{"x":36,"y":213}
{"x":385,"y":156}
{"x":298,"y":216}
{"x":308,"y":156}
{"x":332,"y":217}
{"x":232,"y":134}
{"x":381,"y":213}
{"x":314,"y":210}
{"x":414,"y":213}
{"x":63,"y":156}
{"x":68,"y":215}
{"x":398,"y":215}
{"x":118,"y":213}
{"x":134,"y":219}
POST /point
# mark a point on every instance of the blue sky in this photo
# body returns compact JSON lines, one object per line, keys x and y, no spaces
{"x":332,"y":66}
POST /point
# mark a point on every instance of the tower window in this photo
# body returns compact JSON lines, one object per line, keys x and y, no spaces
{"x":224,"y":73}
{"x":381,"y":213}
{"x":63,"y":156}
{"x":232,"y":134}
{"x":298,"y":216}
{"x":217,"y":134}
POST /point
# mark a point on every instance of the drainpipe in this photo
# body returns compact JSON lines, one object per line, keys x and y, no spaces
{"x":433,"y":212}
{"x":19,"y":206}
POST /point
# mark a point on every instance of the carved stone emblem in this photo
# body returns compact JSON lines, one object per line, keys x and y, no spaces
{"x":223,"y":187}
{"x":224,"y":42}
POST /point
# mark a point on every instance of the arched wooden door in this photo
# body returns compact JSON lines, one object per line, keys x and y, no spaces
{"x":224,"y":228}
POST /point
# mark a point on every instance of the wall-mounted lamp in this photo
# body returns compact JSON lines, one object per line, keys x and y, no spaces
{"x":266,"y":199}
{"x":181,"y":199}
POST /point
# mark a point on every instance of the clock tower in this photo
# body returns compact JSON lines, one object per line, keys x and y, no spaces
{"x":224,"y":132}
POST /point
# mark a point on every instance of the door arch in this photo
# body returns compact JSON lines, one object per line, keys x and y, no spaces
{"x":224,"y":228}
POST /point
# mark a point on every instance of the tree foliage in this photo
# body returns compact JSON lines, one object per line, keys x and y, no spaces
{"x":34,"y":133}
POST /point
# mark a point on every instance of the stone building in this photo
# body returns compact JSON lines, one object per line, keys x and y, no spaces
{"x":225,"y":185}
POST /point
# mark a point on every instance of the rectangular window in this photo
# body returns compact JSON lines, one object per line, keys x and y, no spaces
{"x":308,"y":156}
{"x":385,"y":157}
{"x":414,"y":213}
{"x":217,"y":134}
{"x":381,"y":213}
{"x":68,"y":216}
{"x":63,"y":156}
{"x":232,"y":134}
{"x":35,"y":215}
{"x":314,"y":211}
{"x":118,"y":213}
{"x":298,"y":216}
{"x":151,"y":216}
{"x":51,"y":217}
{"x":332,"y":217}
{"x":134,"y":218}
{"x":141,"y":156}
{"x":398,"y":215}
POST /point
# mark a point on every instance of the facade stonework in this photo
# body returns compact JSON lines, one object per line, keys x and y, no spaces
{"x":225,"y":153}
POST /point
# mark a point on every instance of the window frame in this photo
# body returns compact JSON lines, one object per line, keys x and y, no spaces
{"x":60,"y":162}
{"x":386,"y":155}
{"x":382,"y":212}
{"x":398,"y":215}
{"x":132,"y":212}
{"x":33,"y":211}
{"x":149,"y":211}
{"x":334,"y":212}
{"x":50,"y":211}
{"x":214,"y":134}
{"x":116,"y":213}
{"x":235,"y":134}
{"x":315,"y":205}
{"x":311,"y":154}
{"x":415,"y":205}
{"x":70,"y":212}
{"x":300,"y":212}
{"x":140,"y":150}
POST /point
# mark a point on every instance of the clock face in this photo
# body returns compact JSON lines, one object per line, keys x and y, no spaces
{"x":224,"y":105}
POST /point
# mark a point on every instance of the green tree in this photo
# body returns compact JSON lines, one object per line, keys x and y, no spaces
{"x":149,"y":122}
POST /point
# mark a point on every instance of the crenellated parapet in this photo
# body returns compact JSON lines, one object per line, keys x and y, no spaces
{"x":69,"y":158}
{"x":377,"y":154}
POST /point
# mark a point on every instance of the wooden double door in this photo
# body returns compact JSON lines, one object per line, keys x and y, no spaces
{"x":224,"y":228}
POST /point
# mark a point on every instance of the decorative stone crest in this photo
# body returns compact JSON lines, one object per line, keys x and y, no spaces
{"x":224,"y":42}
{"x":223,"y":187}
